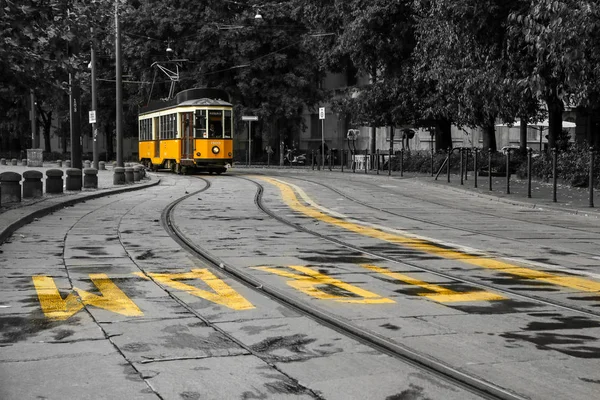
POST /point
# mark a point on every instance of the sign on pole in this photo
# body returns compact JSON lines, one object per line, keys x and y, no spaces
{"x":322,"y":113}
{"x":249,"y":118}
{"x":92,"y":116}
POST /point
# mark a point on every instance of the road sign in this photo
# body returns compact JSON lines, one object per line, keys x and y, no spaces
{"x":249,"y":118}
{"x":92,"y":115}
{"x":322,"y":113}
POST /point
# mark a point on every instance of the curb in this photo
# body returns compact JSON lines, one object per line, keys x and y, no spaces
{"x":50,"y":205}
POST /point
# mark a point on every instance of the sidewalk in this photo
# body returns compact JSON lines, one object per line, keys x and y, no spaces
{"x":15,"y":215}
{"x":568,"y":199}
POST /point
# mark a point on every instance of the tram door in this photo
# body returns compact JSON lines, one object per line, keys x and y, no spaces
{"x":187,"y":135}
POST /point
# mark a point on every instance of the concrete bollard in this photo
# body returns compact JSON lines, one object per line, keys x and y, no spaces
{"x":68,"y":163}
{"x":119,"y":176}
{"x":32,"y":184}
{"x":137,"y":173}
{"x":59,"y":162}
{"x":87,"y":164}
{"x":90,"y":178}
{"x":129,"y":174}
{"x":54,"y":181}
{"x":2,"y":161}
{"x":102,"y":165}
{"x":24,"y":162}
{"x":13,"y":161}
{"x":11,"y":187}
{"x":73,"y":181}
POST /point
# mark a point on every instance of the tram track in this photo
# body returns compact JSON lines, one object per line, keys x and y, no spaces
{"x":380,"y":343}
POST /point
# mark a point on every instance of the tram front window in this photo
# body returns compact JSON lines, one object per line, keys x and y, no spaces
{"x":215,"y":130}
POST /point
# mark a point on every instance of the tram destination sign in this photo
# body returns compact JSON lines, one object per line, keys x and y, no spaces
{"x":249,"y":118}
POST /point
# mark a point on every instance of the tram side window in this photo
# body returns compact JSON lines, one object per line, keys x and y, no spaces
{"x":168,"y":126}
{"x":200,"y":124}
{"x":227,"y":124}
{"x":146,"y":129}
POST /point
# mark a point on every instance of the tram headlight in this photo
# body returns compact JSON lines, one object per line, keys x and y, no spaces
{"x":198,"y":154}
{"x":216,"y":150}
{"x":230,"y":154}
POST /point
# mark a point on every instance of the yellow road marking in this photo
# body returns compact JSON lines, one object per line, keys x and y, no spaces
{"x":112,"y":298}
{"x":577,"y":283}
{"x":224,"y":294}
{"x":441,"y":294}
{"x":308,"y":283}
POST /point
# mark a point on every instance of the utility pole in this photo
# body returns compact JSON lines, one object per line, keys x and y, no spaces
{"x":74,"y":114}
{"x":119,"y":87}
{"x":94,"y":102}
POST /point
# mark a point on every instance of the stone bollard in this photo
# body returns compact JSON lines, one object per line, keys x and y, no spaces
{"x":129,"y":174}
{"x":68,"y":163}
{"x":90,"y":178}
{"x":102,"y":165}
{"x":32,"y":185}
{"x":13,"y":161}
{"x":137,"y":173}
{"x":119,"y":176}
{"x":73,"y":181}
{"x":59,"y":162}
{"x":24,"y":162}
{"x":87,"y":164}
{"x":54,"y":181}
{"x":2,"y":161}
{"x":11,"y":187}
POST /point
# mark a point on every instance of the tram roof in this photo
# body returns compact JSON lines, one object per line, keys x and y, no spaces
{"x":191,"y":97}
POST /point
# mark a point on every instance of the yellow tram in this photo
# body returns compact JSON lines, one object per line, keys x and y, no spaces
{"x":193,"y":131}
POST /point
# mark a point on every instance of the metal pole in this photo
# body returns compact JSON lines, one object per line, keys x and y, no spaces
{"x":591,"y":177}
{"x":250,"y":144}
{"x":448,"y":165}
{"x":490,"y":167}
{"x":94,"y":103}
{"x":554,"y":177}
{"x":461,"y":165}
{"x":402,"y":162}
{"x":529,"y":151}
{"x":377,"y":152}
{"x":119,"y":88}
{"x":431,"y":153}
{"x":475,"y":160}
{"x":342,"y":154}
{"x":366,"y":159}
{"x":34,"y":136}
{"x":508,"y":171}
{"x":323,"y":144}
{"x":467,"y":163}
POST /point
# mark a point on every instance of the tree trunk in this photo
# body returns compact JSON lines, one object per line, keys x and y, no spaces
{"x":523,"y":134}
{"x":489,"y":136}
{"x":555,"y":110}
{"x":108,"y":134}
{"x":443,"y":135}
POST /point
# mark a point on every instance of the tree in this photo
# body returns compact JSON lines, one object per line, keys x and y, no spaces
{"x":558,"y":37}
